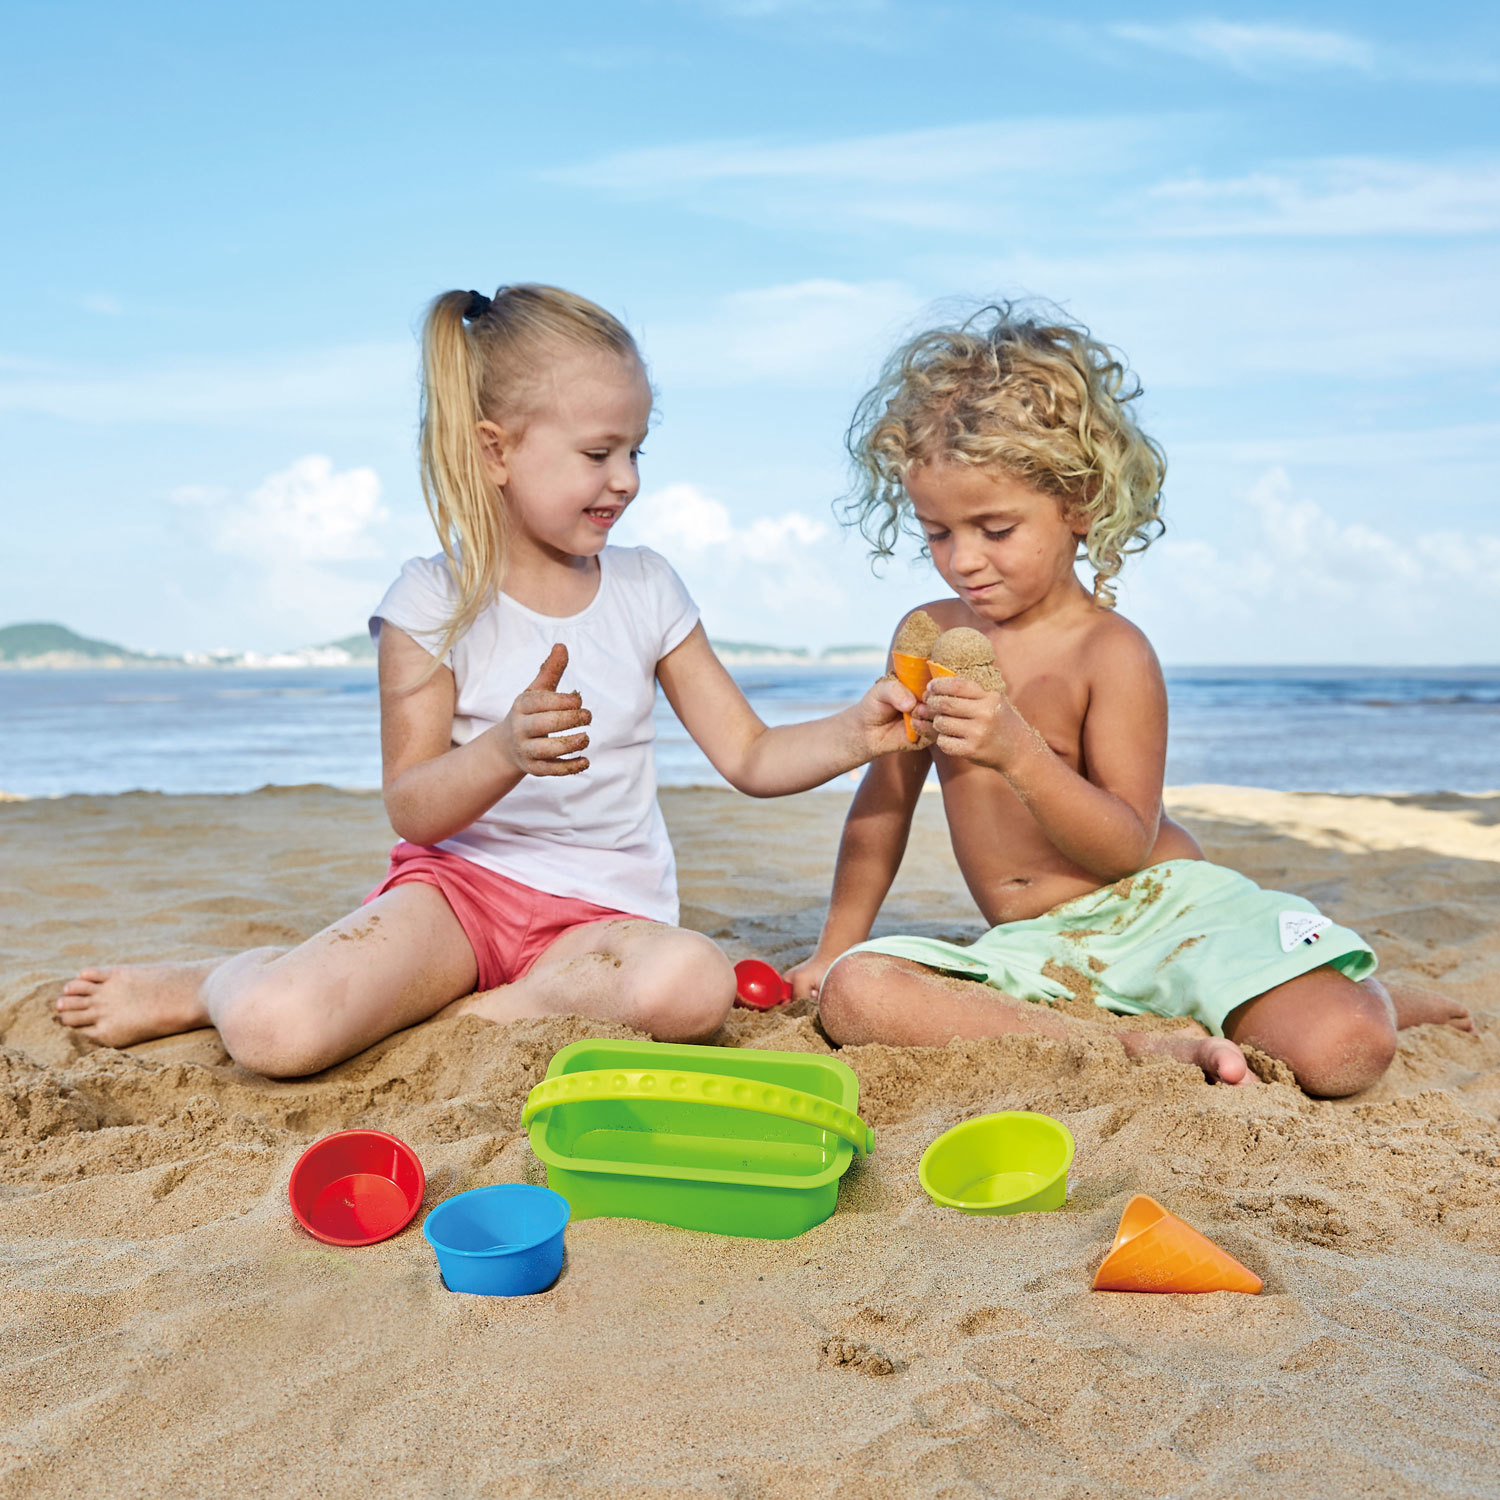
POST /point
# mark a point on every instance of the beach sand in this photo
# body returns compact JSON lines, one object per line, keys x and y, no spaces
{"x":169,"y":1331}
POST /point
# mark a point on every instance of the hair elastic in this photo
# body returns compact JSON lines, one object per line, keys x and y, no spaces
{"x":478,"y":306}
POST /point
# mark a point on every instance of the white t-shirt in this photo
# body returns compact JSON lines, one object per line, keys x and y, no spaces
{"x":597,"y":835}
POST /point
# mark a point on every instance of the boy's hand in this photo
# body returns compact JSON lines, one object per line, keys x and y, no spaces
{"x":970,"y":723}
{"x":531,"y":736}
{"x":880,"y":716}
{"x":807,"y":978}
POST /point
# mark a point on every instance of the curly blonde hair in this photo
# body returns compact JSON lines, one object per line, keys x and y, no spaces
{"x":1035,"y":397}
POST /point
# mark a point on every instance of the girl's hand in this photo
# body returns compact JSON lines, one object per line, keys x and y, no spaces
{"x":807,"y":978}
{"x":879,"y":715}
{"x":971,"y":724}
{"x":531,"y":736}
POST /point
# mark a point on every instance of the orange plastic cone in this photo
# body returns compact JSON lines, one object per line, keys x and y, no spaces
{"x":911,"y":672}
{"x":937,"y":669}
{"x":1154,"y":1251}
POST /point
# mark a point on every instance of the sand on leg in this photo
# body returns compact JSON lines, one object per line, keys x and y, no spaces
{"x":1337,"y":1036}
{"x":288,"y":1012}
{"x":871,"y":997}
{"x":672,"y":983}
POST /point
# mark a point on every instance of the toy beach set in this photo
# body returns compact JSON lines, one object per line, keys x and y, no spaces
{"x":721,"y":1140}
{"x":726,"y":1140}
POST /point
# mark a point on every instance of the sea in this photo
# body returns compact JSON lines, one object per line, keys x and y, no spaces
{"x":1325,"y":729}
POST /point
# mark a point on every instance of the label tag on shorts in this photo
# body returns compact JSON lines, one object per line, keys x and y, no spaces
{"x":1302,"y":929}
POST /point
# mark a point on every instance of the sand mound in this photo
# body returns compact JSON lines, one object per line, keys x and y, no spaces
{"x":170,"y":1331}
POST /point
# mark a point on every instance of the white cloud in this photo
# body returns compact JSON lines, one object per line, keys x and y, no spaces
{"x":305,"y":513}
{"x":1253,"y":49}
{"x":1007,"y":149}
{"x":1262,"y":50}
{"x":757,"y":580}
{"x":681,"y":518}
{"x":1346,"y":196}
{"x":1204,"y":316}
{"x":816,"y":332}
{"x":375,"y":382}
{"x":1296,"y":583}
{"x":103,"y":304}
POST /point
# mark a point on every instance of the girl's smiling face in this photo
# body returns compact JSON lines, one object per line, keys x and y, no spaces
{"x":1004,"y":548}
{"x":569,"y":474}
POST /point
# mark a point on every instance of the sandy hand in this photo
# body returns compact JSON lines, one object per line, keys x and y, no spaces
{"x":807,"y":978}
{"x":535,"y":733}
{"x":882,"y":716}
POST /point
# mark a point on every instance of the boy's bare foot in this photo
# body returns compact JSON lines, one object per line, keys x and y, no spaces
{"x":1220,"y":1059}
{"x":136,"y":1002}
{"x":1416,"y":1007}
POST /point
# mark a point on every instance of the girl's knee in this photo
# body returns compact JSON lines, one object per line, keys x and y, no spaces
{"x":680,"y":990}
{"x":270,"y":1028}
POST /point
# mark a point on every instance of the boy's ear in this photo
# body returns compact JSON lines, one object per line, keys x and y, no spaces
{"x":494,"y":448}
{"x":1076,"y":516}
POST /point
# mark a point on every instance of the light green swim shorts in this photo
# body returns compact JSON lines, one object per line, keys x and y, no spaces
{"x":1184,"y":938}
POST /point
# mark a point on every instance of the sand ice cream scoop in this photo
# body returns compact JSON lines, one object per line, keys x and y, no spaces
{"x":909,"y":653}
{"x":966,"y":653}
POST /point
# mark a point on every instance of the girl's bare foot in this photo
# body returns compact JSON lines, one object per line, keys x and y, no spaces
{"x":1416,"y":1007}
{"x":1220,"y":1059}
{"x":136,"y":1002}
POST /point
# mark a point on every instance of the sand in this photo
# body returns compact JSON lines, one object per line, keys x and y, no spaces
{"x":168,"y":1330}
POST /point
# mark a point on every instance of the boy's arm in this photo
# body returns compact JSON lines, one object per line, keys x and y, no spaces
{"x":764,"y":762}
{"x":1106,"y":822}
{"x":870,"y":851}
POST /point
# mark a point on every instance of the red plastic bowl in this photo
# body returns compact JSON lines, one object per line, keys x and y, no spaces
{"x":758,"y":985}
{"x":356,"y":1187}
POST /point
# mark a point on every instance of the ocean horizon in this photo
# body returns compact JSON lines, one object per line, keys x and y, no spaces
{"x":217,"y":730}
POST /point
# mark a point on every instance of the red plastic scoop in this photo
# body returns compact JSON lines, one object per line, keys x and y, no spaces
{"x":758,"y":985}
{"x":356,"y":1187}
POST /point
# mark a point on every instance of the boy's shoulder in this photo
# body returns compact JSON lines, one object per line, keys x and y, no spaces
{"x":1110,"y":645}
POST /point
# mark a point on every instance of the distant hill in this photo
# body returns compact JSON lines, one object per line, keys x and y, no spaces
{"x":44,"y":644}
{"x":39,"y":644}
{"x":358,"y":647}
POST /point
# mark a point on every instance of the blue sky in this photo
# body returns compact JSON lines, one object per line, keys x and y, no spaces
{"x":222,"y":225}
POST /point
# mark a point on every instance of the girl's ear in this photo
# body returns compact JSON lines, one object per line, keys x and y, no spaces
{"x":493,"y":451}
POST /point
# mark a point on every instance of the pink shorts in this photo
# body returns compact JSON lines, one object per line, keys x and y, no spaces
{"x":508,"y":925}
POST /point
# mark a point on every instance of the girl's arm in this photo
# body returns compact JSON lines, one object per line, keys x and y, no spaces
{"x":765,"y":762}
{"x":870,"y":852}
{"x":434,"y":788}
{"x":1105,"y":822}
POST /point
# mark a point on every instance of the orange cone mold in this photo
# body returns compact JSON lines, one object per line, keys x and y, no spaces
{"x":911,"y":672}
{"x":1154,"y":1251}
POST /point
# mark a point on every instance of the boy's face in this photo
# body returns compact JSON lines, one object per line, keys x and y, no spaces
{"x":1003,"y":547}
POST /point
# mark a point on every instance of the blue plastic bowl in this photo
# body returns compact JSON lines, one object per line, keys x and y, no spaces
{"x":503,"y":1241}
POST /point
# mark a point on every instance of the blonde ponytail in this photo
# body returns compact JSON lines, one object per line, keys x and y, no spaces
{"x":483,"y":360}
{"x":462,"y":499}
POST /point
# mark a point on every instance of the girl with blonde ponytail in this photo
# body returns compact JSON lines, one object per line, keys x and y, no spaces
{"x":523,"y":861}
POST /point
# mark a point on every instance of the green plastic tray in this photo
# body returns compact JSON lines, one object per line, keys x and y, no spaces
{"x":728,"y":1139}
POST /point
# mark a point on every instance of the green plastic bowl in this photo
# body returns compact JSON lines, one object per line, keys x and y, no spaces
{"x":1013,"y":1162}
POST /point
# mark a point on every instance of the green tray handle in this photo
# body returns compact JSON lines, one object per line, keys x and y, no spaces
{"x":701,"y":1088}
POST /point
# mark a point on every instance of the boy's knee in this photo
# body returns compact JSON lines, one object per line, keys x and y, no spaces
{"x":1351,"y":1041}
{"x":1355,"y":1050}
{"x":682,"y":991}
{"x":843,"y":999}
